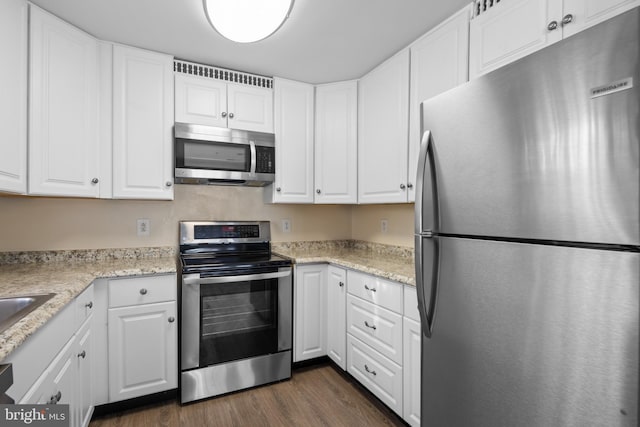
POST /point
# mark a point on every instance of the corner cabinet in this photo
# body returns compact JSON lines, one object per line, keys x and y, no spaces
{"x":383,"y":123}
{"x":504,"y":32}
{"x":293,"y":125}
{"x":13,"y":102}
{"x":142,"y":336}
{"x":63,"y":109}
{"x":310,"y":293}
{"x":336,"y":143}
{"x":439,"y":62}
{"x":142,"y":124}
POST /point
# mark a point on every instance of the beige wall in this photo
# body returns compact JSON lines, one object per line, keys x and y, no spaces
{"x":42,"y":223}
{"x":366,"y":224}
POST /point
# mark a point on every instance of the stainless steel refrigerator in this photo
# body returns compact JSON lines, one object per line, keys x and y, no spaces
{"x":528,"y":239}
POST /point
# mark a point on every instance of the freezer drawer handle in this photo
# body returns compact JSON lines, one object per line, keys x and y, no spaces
{"x":370,"y":326}
{"x":366,"y":368}
{"x":369,"y":289}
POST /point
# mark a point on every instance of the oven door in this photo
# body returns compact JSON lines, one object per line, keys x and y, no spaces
{"x":227,"y":318}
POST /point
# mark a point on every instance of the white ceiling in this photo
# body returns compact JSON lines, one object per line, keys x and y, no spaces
{"x":322,"y":41}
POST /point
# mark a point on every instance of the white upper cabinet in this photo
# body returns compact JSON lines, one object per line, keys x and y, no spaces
{"x":336,"y":143}
{"x":142,"y":124}
{"x":63,"y":109}
{"x":383,"y":127}
{"x":293,"y":115}
{"x":209,"y":101}
{"x":509,"y":30}
{"x":439,"y":62}
{"x":13,"y":102}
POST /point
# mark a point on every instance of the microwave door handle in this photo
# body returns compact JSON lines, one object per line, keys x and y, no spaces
{"x":252,"y":148}
{"x":228,"y":279}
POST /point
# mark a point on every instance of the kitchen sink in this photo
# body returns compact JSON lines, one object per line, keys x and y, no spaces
{"x":13,"y":309}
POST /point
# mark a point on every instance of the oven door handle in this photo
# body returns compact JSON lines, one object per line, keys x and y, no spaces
{"x":195,"y":279}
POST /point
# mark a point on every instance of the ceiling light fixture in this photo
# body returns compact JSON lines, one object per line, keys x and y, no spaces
{"x":246,"y":21}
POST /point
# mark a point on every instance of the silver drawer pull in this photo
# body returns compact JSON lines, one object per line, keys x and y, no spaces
{"x":341,"y":284}
{"x":83,"y":354}
{"x":370,"y":326}
{"x":369,"y":289}
{"x":366,"y":368}
{"x":89,"y":304}
{"x":143,"y":291}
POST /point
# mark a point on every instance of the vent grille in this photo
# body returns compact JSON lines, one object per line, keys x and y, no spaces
{"x":222,"y":74}
{"x":483,"y":6}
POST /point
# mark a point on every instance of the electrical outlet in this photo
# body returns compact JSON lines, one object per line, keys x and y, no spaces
{"x":286,"y":226}
{"x":143,"y":227}
{"x":384,"y":225}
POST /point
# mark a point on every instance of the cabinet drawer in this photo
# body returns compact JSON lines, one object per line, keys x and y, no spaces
{"x":84,"y":306}
{"x":411,"y":303}
{"x":142,"y":290}
{"x":376,"y":290}
{"x":375,"y":326}
{"x":377,"y":373}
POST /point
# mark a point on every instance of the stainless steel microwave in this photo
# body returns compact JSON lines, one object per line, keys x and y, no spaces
{"x":215,"y":155}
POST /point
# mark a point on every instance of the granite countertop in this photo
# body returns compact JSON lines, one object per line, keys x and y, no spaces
{"x":67,"y":274}
{"x":390,"y":262}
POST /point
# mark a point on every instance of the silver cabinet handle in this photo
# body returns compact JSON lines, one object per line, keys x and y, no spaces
{"x":231,"y":115}
{"x":402,"y":186}
{"x":83,"y":354}
{"x":366,"y":368}
{"x":95,"y":181}
{"x":370,"y":289}
{"x":567,"y":19}
{"x":55,"y":398}
{"x":194,"y":279}
{"x":552,"y":25}
{"x":171,"y":319}
{"x":409,"y":186}
{"x":370,"y":326}
{"x":278,"y":189}
{"x":318,"y":191}
{"x":168,"y":183}
{"x":224,"y":114}
{"x":89,"y":304}
{"x":143,"y":291}
{"x":341,"y":284}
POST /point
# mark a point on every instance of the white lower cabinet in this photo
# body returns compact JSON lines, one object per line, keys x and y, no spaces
{"x":310,"y":313}
{"x":337,"y":315}
{"x":142,"y":336}
{"x":411,"y":365}
{"x":377,"y":373}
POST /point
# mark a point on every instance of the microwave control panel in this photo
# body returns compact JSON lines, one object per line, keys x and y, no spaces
{"x":265,"y":160}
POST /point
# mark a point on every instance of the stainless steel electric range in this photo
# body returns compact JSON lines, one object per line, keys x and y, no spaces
{"x":236,"y":309}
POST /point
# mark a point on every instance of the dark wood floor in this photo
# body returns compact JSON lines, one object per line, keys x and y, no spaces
{"x":316,"y":395}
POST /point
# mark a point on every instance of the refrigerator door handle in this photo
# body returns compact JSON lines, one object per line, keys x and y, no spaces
{"x":426,"y":183}
{"x":427,"y":273}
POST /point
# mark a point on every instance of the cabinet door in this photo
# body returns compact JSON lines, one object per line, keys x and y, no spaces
{"x":143,"y":350}
{"x":142,"y":124}
{"x":336,"y":143}
{"x":337,"y":316}
{"x":439,"y":62}
{"x":586,"y":13}
{"x":510,"y":30}
{"x":383,"y":123}
{"x":84,"y":382}
{"x":310,"y":312}
{"x":293,"y":114}
{"x":13,"y":102}
{"x":250,"y":108}
{"x":411,"y":372}
{"x":200,"y":100}
{"x":63,"y":109}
